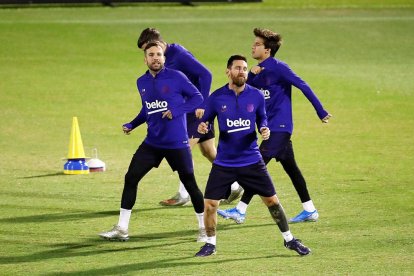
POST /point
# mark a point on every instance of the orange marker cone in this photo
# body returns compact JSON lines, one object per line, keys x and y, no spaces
{"x":76,"y":157}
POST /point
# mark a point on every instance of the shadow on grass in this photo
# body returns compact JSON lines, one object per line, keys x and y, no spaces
{"x":96,"y":246}
{"x":67,"y":216}
{"x":76,"y":250}
{"x":43,"y":175}
{"x":187,"y":262}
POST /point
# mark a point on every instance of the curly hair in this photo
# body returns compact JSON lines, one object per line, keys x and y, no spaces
{"x":272,"y":40}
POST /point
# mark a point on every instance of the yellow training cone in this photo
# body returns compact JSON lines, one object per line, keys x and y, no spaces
{"x":75,"y":144}
{"x":76,"y":157}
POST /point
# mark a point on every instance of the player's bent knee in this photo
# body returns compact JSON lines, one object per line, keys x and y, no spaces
{"x":270,"y":201}
{"x":211,"y":205}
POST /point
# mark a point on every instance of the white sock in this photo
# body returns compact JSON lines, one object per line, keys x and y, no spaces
{"x":242,"y":207}
{"x":200,"y":218}
{"x":183,"y":192}
{"x":235,"y":186}
{"x":211,"y":240}
{"x":287,"y":236}
{"x":124,"y":216}
{"x":308,"y":206}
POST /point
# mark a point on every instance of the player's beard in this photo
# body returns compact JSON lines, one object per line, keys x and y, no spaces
{"x":155,"y":67}
{"x":239,"y":80}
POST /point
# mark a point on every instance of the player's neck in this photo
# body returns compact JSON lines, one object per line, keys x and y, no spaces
{"x":154,"y":73}
{"x":262,"y":58}
{"x":237,"y":89}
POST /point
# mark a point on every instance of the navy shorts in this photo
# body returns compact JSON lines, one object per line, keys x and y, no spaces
{"x":179,"y":159}
{"x":253,"y":178}
{"x":278,"y":146}
{"x":192,"y":125}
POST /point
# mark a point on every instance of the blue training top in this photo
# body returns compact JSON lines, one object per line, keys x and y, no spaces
{"x":237,"y":118}
{"x":168,"y":90}
{"x":179,"y":58}
{"x":275,"y":81}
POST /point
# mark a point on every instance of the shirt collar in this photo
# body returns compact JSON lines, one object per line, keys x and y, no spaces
{"x":265,"y":61}
{"x":161,"y":72}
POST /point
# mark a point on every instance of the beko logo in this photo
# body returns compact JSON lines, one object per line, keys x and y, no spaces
{"x":157,"y":106}
{"x":266,"y":93}
{"x":240,"y":124}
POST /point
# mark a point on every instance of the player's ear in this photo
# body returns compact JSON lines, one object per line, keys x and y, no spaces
{"x":227,"y":71}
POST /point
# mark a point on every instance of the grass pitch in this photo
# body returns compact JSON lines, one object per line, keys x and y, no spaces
{"x":82,"y":61}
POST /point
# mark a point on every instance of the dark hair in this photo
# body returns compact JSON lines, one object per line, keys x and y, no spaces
{"x":147,"y":35}
{"x":151,"y":44}
{"x":271,"y":40}
{"x":233,"y":58}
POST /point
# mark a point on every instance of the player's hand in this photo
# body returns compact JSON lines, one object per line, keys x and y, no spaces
{"x":167,"y":114}
{"x":326,"y":118}
{"x":127,"y":128}
{"x":203,"y":128}
{"x":265,"y":132}
{"x":199,"y":113}
{"x":256,"y":69}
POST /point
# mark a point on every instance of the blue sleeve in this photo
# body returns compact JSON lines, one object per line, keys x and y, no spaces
{"x":261,"y":117}
{"x":192,"y":95}
{"x":296,"y":81}
{"x":190,"y":66}
{"x":209,"y":112}
{"x":139,"y":119}
{"x":250,"y":78}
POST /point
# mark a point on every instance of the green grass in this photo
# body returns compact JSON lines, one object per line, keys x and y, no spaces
{"x":56,"y":63}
